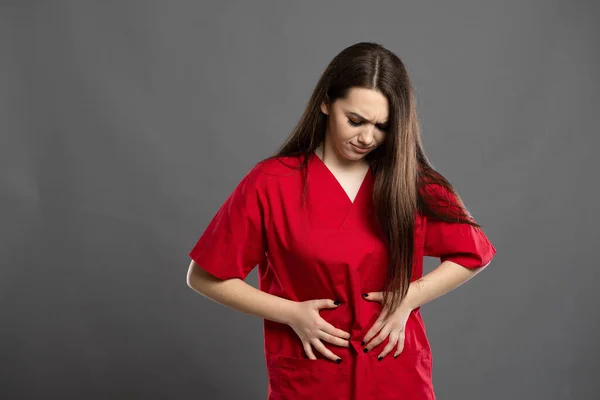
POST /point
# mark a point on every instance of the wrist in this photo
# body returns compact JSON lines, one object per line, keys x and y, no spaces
{"x":288,"y":311}
{"x":410,"y":303}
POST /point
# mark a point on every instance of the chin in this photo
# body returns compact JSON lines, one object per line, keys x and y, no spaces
{"x":355,"y":157}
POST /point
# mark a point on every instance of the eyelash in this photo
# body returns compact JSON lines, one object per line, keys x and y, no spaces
{"x":355,"y":124}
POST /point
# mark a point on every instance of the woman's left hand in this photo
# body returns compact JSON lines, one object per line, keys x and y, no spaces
{"x":394,"y":327}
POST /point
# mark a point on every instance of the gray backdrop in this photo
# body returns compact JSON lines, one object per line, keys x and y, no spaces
{"x":125,"y":125}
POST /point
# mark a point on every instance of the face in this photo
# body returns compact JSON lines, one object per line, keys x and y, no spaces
{"x":357,"y":124}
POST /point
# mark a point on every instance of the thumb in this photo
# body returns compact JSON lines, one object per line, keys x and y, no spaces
{"x":326,"y":303}
{"x":373,"y":296}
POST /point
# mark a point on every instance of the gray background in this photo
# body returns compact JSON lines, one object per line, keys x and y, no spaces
{"x":125,"y":124}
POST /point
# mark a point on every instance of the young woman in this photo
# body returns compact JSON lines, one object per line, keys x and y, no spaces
{"x":338,"y":222}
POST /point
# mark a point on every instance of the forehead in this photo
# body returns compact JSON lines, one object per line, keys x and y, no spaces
{"x":367,"y":102}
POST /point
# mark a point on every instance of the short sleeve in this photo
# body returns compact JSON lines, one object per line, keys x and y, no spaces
{"x":458,"y":242}
{"x":234,"y":242}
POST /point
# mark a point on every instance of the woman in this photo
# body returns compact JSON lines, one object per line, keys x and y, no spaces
{"x":338,"y":222}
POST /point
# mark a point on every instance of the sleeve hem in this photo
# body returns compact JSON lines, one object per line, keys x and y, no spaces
{"x":213,"y":268}
{"x":468,"y":262}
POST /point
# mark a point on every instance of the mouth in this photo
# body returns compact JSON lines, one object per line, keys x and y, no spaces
{"x":361,"y":149}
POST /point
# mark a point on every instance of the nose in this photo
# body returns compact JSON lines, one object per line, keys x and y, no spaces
{"x":366,"y":137}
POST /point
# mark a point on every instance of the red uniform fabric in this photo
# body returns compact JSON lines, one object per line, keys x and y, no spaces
{"x":330,"y":248}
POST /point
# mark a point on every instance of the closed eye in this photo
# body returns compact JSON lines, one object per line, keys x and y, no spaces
{"x":382,"y":128}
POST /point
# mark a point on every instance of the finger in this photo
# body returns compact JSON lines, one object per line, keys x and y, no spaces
{"x":377,"y":325}
{"x":309,"y":352}
{"x":326,"y":303}
{"x":320,"y":347}
{"x":393,"y":340}
{"x":400,"y":345}
{"x":373,"y":296}
{"x":332,"y":330}
{"x":379,"y":338}
{"x":333,"y":339}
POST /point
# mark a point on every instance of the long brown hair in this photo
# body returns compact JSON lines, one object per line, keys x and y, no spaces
{"x":400,"y":166}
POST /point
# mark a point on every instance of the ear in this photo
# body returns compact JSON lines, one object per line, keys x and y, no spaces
{"x":324,"y":108}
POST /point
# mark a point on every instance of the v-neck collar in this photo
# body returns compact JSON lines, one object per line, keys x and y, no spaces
{"x":336,"y":182}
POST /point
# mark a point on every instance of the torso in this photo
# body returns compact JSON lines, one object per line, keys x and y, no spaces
{"x":350,"y":181}
{"x":320,"y":241}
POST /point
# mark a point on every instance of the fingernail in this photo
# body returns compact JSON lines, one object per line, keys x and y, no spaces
{"x":365,"y":294}
{"x":365,"y":350}
{"x":379,"y":358}
{"x":396,"y":356}
{"x":362,"y":343}
{"x":337,"y":302}
{"x":339,"y":360}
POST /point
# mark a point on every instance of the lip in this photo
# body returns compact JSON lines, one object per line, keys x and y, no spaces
{"x":360,"y":149}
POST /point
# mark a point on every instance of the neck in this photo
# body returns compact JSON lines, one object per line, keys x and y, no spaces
{"x":330,"y":157}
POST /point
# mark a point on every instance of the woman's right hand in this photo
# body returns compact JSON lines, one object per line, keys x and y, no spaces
{"x":311,"y":328}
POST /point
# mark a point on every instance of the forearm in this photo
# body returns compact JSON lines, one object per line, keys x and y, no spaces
{"x":238,"y":295}
{"x":446,"y":277}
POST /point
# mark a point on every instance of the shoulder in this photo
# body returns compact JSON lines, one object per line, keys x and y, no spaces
{"x":438,"y":193}
{"x":275,"y":167}
{"x":441,"y":197}
{"x":271,"y":170}
{"x":435,"y":188}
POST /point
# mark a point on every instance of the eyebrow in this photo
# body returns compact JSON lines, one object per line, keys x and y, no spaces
{"x":380,"y":125}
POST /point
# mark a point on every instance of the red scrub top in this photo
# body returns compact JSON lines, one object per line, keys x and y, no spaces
{"x":330,"y":248}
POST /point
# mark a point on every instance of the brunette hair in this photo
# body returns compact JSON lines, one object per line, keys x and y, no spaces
{"x":400,"y":166}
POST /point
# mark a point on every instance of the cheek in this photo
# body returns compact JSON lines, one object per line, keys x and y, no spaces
{"x":341,"y":132}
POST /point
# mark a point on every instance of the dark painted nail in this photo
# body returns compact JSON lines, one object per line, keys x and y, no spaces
{"x":362,"y":343}
{"x":395,"y":356}
{"x":339,"y":360}
{"x":365,"y":350}
{"x":365,"y":295}
{"x":379,"y":358}
{"x":337,"y":302}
